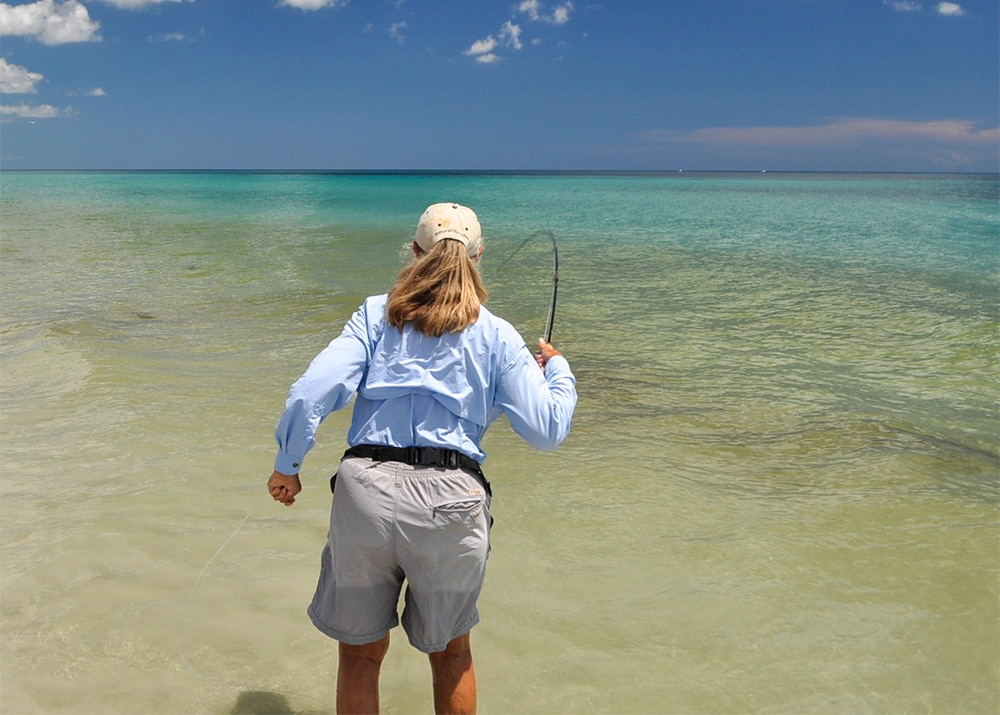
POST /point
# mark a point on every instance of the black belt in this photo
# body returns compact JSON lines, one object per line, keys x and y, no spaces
{"x":422,"y":456}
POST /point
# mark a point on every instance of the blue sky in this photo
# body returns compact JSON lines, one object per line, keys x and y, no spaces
{"x":803,"y":85}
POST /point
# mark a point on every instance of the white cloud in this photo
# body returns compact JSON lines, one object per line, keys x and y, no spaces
{"x":49,"y":22}
{"x":396,"y":31}
{"x":560,"y":15}
{"x":313,"y":4}
{"x":95,"y":92}
{"x":950,"y":9}
{"x":481,"y":47}
{"x":137,"y":4}
{"x":510,"y":35}
{"x":33,"y":111}
{"x":529,"y":7}
{"x":169,"y":37}
{"x":483,"y":50}
{"x":15,"y":79}
{"x":533,"y":9}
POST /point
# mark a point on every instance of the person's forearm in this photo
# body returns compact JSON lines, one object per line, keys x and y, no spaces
{"x":540,"y":407}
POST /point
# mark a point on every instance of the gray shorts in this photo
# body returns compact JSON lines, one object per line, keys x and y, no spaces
{"x":392,"y":521}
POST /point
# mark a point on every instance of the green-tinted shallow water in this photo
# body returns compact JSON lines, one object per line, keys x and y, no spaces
{"x":780,"y":494}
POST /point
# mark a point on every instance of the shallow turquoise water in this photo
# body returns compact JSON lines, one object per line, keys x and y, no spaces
{"x":780,"y":494}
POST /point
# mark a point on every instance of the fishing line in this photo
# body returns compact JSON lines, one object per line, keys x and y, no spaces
{"x":187,"y":611}
{"x":551,"y":318}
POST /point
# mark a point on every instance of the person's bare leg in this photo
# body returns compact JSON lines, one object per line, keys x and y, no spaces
{"x":357,"y":677}
{"x":454,"y":679}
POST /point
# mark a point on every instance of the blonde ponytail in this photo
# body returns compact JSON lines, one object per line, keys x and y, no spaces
{"x":439,"y":292}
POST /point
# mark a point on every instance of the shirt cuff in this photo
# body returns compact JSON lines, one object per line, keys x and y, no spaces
{"x":559,"y":363}
{"x":287,"y":464}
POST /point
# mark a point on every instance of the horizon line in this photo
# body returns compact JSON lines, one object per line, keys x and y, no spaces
{"x":501,"y":172}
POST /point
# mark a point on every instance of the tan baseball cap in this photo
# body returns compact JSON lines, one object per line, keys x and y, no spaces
{"x":444,"y":221}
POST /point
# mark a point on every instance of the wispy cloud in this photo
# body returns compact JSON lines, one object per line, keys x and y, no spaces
{"x":95,"y":92}
{"x":138,"y":4}
{"x":833,"y":133}
{"x":15,"y":79}
{"x":950,"y":9}
{"x":169,"y":37}
{"x":904,"y":5}
{"x":396,"y":31}
{"x":536,"y":13}
{"x":482,"y":50}
{"x":33,"y":111}
{"x":313,"y":4}
{"x":49,"y":22}
{"x":508,"y":37}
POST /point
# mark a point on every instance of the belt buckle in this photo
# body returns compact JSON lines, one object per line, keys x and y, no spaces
{"x":432,"y":457}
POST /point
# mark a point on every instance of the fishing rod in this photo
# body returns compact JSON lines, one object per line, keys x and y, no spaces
{"x":551,"y":319}
{"x":550,"y":323}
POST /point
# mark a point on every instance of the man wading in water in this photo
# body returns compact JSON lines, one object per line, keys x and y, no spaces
{"x":431,"y":368}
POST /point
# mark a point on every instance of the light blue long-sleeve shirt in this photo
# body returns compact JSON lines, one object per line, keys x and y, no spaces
{"x":419,"y":391}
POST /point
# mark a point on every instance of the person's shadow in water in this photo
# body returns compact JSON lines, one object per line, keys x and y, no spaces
{"x":262,"y":702}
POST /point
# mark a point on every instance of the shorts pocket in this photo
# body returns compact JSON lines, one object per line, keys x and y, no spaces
{"x":465,"y":510}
